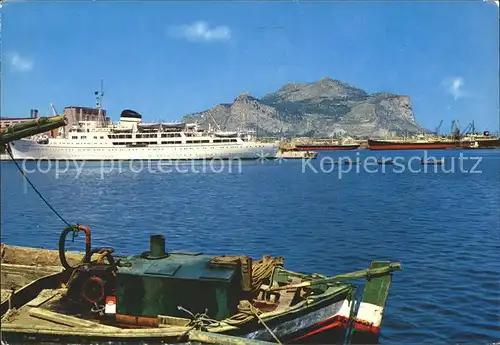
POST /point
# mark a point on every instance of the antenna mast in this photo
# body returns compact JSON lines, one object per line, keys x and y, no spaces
{"x":98,"y":102}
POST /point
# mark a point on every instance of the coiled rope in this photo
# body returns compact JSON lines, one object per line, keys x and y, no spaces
{"x":262,"y":270}
{"x":246,"y":314}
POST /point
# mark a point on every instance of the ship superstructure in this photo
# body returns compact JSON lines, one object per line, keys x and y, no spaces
{"x":131,"y":139}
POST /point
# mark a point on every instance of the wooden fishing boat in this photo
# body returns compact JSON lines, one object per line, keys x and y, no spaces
{"x":349,"y":163}
{"x":432,"y":162}
{"x":385,"y":162}
{"x":344,"y":162}
{"x":161,"y":296}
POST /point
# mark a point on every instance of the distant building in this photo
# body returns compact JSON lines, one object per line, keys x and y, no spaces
{"x":7,"y":121}
{"x":74,"y":114}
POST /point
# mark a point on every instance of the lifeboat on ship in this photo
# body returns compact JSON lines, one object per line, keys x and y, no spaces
{"x":226,"y":134}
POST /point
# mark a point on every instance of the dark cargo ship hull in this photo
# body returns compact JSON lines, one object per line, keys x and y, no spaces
{"x":390,"y":145}
{"x":326,"y":147}
{"x":489,"y":144}
{"x":436,"y":145}
{"x":433,"y":145}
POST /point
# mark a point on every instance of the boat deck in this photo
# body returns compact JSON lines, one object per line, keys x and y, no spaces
{"x":13,"y":277}
{"x":39,"y":319}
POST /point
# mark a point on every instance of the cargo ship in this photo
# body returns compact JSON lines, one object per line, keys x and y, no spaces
{"x":413,"y":144}
{"x":482,"y":141}
{"x":466,"y":139}
{"x":469,"y":142}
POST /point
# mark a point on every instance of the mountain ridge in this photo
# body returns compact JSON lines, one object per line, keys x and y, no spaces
{"x":322,"y":108}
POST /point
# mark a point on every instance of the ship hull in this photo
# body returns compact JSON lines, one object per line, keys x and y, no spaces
{"x":26,"y":149}
{"x":389,"y":145}
{"x":433,"y":145}
{"x":325,"y":323}
{"x":488,"y":144}
{"x":327,"y":147}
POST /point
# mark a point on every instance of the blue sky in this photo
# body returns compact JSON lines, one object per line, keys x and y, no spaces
{"x":165,"y":59}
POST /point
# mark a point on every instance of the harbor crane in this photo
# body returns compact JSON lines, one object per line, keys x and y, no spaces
{"x":439,"y":127}
{"x":455,"y":129}
{"x":54,"y":111}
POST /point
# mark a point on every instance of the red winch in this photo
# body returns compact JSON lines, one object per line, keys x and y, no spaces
{"x":92,"y":282}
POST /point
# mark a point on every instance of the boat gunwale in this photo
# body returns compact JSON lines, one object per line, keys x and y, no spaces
{"x":310,"y":302}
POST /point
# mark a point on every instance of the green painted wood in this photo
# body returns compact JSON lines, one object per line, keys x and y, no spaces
{"x":371,"y":272}
{"x":32,"y":127}
{"x":158,"y":287}
{"x":376,"y":289}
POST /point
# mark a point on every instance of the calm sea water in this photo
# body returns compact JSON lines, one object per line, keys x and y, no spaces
{"x":443,"y":226}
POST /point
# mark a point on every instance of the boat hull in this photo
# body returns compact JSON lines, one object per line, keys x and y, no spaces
{"x":26,"y":149}
{"x":327,"y":147}
{"x":326,"y":323}
{"x":389,"y":145}
{"x":325,"y":318}
{"x":488,"y":144}
{"x":432,"y":145}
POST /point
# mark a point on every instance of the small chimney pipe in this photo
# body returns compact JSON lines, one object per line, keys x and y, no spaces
{"x":157,"y":246}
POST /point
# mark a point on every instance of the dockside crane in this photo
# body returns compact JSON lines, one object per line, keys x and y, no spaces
{"x":54,"y":111}
{"x":455,"y":130}
{"x":439,"y":127}
{"x":468,"y":129}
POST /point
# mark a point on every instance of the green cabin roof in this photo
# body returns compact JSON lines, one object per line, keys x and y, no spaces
{"x":182,"y":266}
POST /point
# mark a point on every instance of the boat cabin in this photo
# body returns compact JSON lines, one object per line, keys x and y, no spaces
{"x":158,"y":283}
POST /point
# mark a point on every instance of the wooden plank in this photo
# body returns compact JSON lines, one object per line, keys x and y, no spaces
{"x":106,"y":331}
{"x":66,"y":319}
{"x":171,"y":335}
{"x":214,"y":338}
{"x":44,"y":296}
{"x":169,"y":321}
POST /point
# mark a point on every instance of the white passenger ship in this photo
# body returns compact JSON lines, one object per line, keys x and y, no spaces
{"x":131,"y":139}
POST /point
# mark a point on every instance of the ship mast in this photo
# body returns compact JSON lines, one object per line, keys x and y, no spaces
{"x":213,"y":119}
{"x":98,"y":95}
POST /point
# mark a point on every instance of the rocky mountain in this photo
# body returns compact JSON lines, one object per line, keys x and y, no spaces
{"x":323,"y":108}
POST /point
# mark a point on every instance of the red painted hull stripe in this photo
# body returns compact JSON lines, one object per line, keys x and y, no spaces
{"x":319,"y":330}
{"x":337,"y":321}
{"x":366,"y":328}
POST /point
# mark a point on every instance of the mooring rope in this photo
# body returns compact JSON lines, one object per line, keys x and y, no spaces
{"x":34,"y":188}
